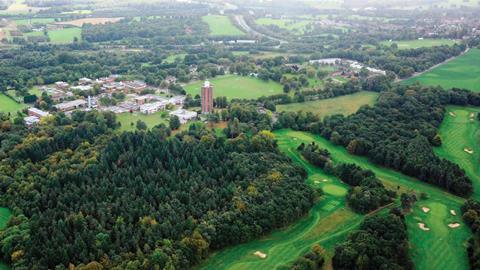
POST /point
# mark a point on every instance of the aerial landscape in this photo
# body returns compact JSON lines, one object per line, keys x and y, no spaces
{"x":239,"y":134}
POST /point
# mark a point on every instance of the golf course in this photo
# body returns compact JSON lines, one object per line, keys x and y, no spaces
{"x":460,"y":133}
{"x":235,"y":86}
{"x":461,"y":72}
{"x":440,"y":245}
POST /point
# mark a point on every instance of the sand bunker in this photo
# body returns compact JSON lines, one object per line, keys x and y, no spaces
{"x":472,"y":115}
{"x":423,"y":227}
{"x":454,"y":225}
{"x":453,"y":114}
{"x":425,"y":209}
{"x":317,"y":182}
{"x":453,"y":212}
{"x":260,"y":254}
{"x":325,"y":180}
{"x":468,"y":150}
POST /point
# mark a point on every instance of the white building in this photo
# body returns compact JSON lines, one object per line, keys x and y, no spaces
{"x":326,"y":61}
{"x":31,"y":120}
{"x":153,"y":107}
{"x":82,"y":88}
{"x":177,"y":100}
{"x":184,"y":115}
{"x":71,"y":105}
{"x":37,"y":112}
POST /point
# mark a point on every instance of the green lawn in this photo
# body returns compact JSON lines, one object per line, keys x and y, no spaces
{"x":297,"y":26}
{"x":233,"y":86}
{"x":462,"y":72}
{"x":7,"y":105}
{"x":459,"y":132}
{"x":65,"y":35}
{"x":5,"y":215}
{"x":221,"y":26}
{"x":171,"y":58}
{"x":34,"y":21}
{"x":151,"y":120}
{"x":340,"y":105}
{"x":439,"y":248}
{"x":419,"y":43}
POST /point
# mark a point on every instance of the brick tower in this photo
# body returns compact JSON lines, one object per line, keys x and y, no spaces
{"x":207,"y":98}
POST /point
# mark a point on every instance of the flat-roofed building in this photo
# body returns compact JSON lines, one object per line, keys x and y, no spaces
{"x":37,"y":113}
{"x":183,"y":115}
{"x":71,"y":105}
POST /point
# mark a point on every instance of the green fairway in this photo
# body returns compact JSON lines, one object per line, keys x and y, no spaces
{"x":233,"y":86}
{"x":419,"y":43}
{"x":221,"y":26}
{"x":462,"y":72}
{"x":328,"y":223}
{"x":66,"y":35}
{"x":151,"y":120}
{"x":459,"y":132}
{"x":441,"y":246}
{"x":340,"y":105}
{"x":297,"y":26}
{"x":7,"y":105}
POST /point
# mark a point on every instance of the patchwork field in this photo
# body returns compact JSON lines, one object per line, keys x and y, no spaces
{"x":81,"y":22}
{"x":462,"y":72}
{"x":221,"y":26}
{"x":419,"y":43}
{"x":7,"y":105}
{"x":233,"y":86}
{"x":458,"y":133}
{"x":19,"y":7}
{"x":126,"y":120}
{"x":34,"y":21}
{"x":340,"y":105}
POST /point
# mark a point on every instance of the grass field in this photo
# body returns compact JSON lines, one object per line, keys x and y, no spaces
{"x":419,"y":43}
{"x":5,"y":215}
{"x":462,"y":72}
{"x":340,"y":105}
{"x":233,"y":86}
{"x":458,"y":133}
{"x":151,"y":120}
{"x":34,"y":21}
{"x":81,"y":22}
{"x":298,"y":26}
{"x":441,"y":247}
{"x":221,"y":26}
{"x":171,"y":58}
{"x":7,"y":105}
{"x":66,"y":35}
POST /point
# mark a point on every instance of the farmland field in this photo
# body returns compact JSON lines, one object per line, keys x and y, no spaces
{"x":462,"y":72}
{"x":7,"y":105}
{"x":221,"y":26}
{"x":233,"y":86}
{"x":459,"y":132}
{"x":81,"y":22}
{"x":419,"y":43}
{"x":151,"y":120}
{"x":339,"y":105}
{"x":34,"y":21}
{"x":66,"y":35}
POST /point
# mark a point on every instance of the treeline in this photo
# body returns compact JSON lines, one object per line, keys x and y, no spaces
{"x":312,"y":260}
{"x":139,"y":200}
{"x":366,"y":194}
{"x":471,"y":216}
{"x":399,"y":132}
{"x":380,"y":243}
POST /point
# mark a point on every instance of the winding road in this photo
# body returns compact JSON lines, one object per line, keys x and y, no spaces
{"x":242,"y":23}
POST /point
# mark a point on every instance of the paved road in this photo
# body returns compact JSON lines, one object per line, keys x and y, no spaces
{"x":241,"y":21}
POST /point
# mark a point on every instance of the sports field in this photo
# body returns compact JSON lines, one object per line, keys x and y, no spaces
{"x":221,"y":26}
{"x":7,"y":105}
{"x":340,"y":105}
{"x":298,"y":26}
{"x":234,"y":86}
{"x":126,"y":120}
{"x":462,"y":72}
{"x":419,"y":43}
{"x":460,"y":133}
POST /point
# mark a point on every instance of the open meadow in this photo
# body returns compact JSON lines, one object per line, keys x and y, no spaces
{"x":419,"y":43}
{"x":234,"y":86}
{"x":461,"y":72}
{"x":81,"y":22}
{"x":345,"y":105}
{"x":221,"y":26}
{"x":126,"y":120}
{"x":7,"y":105}
{"x":66,"y":35}
{"x":34,"y":21}
{"x":297,"y":26}
{"x":460,"y":132}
